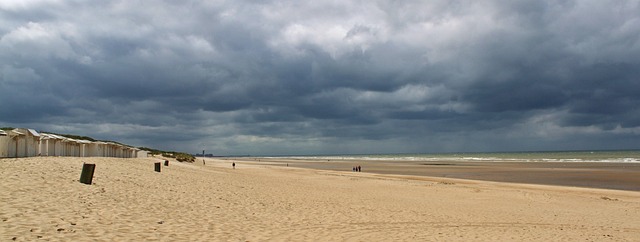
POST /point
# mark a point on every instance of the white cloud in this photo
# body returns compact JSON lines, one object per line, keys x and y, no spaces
{"x":36,"y":40}
{"x":26,"y":4}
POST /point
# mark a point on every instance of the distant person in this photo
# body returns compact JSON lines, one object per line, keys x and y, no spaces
{"x":359,"y":169}
{"x":234,"y":165}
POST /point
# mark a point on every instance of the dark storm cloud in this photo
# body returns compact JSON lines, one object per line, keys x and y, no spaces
{"x":240,"y":77}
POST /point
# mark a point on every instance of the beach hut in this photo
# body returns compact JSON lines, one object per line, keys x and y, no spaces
{"x":83,"y":145}
{"x":102,"y":149}
{"x":83,"y":148}
{"x":93,"y":149}
{"x":111,"y":149}
{"x":44,"y":149}
{"x":74,"y":147}
{"x":58,"y":146}
{"x":26,"y":142}
{"x":48,"y":144}
{"x":14,"y":135}
{"x":12,"y":143}
{"x":5,"y":141}
{"x":128,"y":152}
{"x":17,"y":146}
{"x":141,"y":153}
{"x":120,"y":150}
{"x":33,"y":141}
{"x":69,"y":147}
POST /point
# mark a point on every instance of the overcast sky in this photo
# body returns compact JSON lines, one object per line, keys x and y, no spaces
{"x":326,"y":77}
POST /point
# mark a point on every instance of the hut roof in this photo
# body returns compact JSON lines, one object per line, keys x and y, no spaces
{"x":51,"y":136}
{"x":33,"y":132}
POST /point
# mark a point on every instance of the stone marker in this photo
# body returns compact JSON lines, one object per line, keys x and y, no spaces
{"x":86,"y":176}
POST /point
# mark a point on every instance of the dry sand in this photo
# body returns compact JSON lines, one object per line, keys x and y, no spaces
{"x":41,"y":198}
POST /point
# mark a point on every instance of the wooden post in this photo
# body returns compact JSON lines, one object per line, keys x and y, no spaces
{"x":166,"y":163}
{"x":157,"y":166}
{"x":86,"y":176}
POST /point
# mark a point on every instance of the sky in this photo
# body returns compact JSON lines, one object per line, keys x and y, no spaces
{"x":326,"y":77}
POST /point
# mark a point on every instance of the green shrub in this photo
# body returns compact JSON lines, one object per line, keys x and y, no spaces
{"x":182,"y":157}
{"x":179,"y":156}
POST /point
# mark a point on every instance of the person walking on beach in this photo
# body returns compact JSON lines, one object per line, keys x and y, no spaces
{"x":234,"y":165}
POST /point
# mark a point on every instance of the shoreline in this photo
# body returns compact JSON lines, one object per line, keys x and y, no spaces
{"x":603,"y":175}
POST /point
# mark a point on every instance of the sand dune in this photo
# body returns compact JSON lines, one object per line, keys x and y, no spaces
{"x":41,"y":197}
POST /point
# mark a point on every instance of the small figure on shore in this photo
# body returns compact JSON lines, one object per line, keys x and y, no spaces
{"x":203,"y":163}
{"x":353,"y":169}
{"x":359,"y":169}
{"x":234,"y":165}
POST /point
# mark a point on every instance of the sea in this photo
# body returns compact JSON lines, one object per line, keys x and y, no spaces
{"x":618,"y":156}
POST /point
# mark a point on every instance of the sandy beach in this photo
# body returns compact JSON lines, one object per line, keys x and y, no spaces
{"x":41,"y":198}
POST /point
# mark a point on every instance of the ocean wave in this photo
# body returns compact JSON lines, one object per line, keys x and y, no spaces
{"x":457,"y":158}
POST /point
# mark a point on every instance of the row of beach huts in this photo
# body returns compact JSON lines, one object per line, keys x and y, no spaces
{"x":21,"y":142}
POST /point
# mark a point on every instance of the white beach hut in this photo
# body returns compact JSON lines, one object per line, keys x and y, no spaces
{"x":84,"y":148}
{"x":32,"y":139}
{"x":44,"y":148}
{"x":127,"y":152}
{"x":5,"y":141}
{"x":142,"y":154}
{"x":20,"y":143}
{"x":92,"y":149}
{"x":28,"y":142}
{"x":101,"y":149}
{"x":50,"y":144}
{"x":17,"y":146}
{"x":67,"y":147}
{"x":110,"y":149}
{"x":74,"y":147}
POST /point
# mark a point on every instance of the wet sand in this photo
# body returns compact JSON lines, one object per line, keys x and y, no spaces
{"x":620,"y":176}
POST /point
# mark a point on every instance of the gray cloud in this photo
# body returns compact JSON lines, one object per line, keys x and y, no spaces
{"x":285,"y":77}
